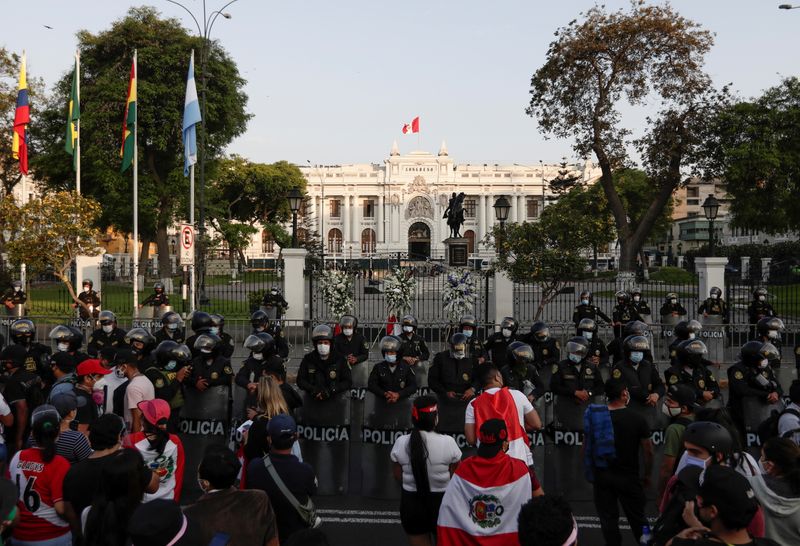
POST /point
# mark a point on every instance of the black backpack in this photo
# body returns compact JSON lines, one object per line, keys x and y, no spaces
{"x":670,"y":522}
{"x":769,"y":426}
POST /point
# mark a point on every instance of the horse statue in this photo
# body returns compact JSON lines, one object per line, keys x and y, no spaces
{"x":455,"y":214}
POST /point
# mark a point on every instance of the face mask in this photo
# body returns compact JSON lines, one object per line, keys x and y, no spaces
{"x":588,"y":335}
{"x":205,"y":351}
{"x":391,"y":359}
{"x":108,"y":328}
{"x":347,"y":332}
{"x":636,"y":298}
{"x":763,"y":364}
{"x":324,"y":350}
{"x":584,"y":302}
{"x":506,"y":332}
{"x":714,"y":296}
{"x":575,"y":358}
{"x":171,"y":365}
{"x":258,"y":356}
{"x":673,"y":301}
{"x":172,"y":327}
{"x":62,"y":347}
{"x":459,"y":355}
{"x":408,"y":329}
{"x":119,"y":372}
{"x":467,"y":333}
{"x":86,"y":289}
{"x":98,"y":397}
{"x":670,"y":412}
{"x":214,"y":330}
{"x":637,"y":356}
{"x":17,"y":289}
{"x":761,"y":298}
{"x":696,"y":461}
{"x":274,"y":292}
{"x":691,"y":335}
{"x":773,"y":334}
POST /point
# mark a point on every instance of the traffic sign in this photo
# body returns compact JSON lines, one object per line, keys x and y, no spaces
{"x":187,"y":245}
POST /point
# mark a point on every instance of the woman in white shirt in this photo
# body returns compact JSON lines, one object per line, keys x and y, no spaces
{"x":424,"y":461}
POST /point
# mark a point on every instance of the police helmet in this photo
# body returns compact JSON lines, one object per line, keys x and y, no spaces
{"x":635,"y":344}
{"x":691,"y":351}
{"x":208,"y":342}
{"x":390,"y":343}
{"x":140,"y":335}
{"x":636,"y":291}
{"x":218,"y":321}
{"x":751,"y":353}
{"x":519,"y":353}
{"x":22,"y":331}
{"x":67,"y":334}
{"x":348,"y":321}
{"x":16,"y":284}
{"x":586,"y":295}
{"x":261,"y":343}
{"x":458,"y":343}
{"x":201,"y":322}
{"x":711,"y":436}
{"x":769,"y":351}
{"x":259,"y":319}
{"x":511,"y":323}
{"x":715,"y":291}
{"x":321,"y":332}
{"x":578,"y":346}
{"x":468,"y":320}
{"x":88,"y":282}
{"x":635,"y":328}
{"x":158,"y":287}
{"x":760,"y":292}
{"x":587,"y":325}
{"x":106,"y":317}
{"x":769,"y":324}
{"x":170,"y":351}
{"x":540,"y":331}
{"x":171,"y":317}
{"x":623,"y":297}
{"x":409,"y":320}
{"x":671,"y":296}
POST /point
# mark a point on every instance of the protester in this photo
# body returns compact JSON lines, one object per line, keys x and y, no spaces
{"x":245,"y":516}
{"x":108,"y":385}
{"x":679,"y":408}
{"x":423,"y":461}
{"x":269,"y":403}
{"x":71,"y":444}
{"x":6,"y":420}
{"x":89,"y":372}
{"x":137,"y":390}
{"x":161,"y":522}
{"x":778,"y":489}
{"x":62,"y":364}
{"x":547,"y":521}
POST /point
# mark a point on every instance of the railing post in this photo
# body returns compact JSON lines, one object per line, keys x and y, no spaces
{"x":710,"y":272}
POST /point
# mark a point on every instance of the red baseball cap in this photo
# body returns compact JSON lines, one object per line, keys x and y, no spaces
{"x":156,"y":411}
{"x":91,"y":366}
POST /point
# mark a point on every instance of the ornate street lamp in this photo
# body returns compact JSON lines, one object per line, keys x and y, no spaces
{"x":295,"y":202}
{"x":501,"y":209}
{"x":710,"y":209}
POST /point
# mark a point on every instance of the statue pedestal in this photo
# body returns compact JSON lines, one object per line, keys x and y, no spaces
{"x":457,"y":251}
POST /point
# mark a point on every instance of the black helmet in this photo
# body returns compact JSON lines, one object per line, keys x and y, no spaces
{"x":712,"y":437}
{"x":769,"y":351}
{"x":208,"y":342}
{"x":16,"y":284}
{"x":540,"y":331}
{"x":458,"y":343}
{"x":587,"y":325}
{"x":753,"y":352}
{"x":511,"y":323}
{"x":586,"y":295}
{"x":468,"y":320}
{"x":635,"y":344}
{"x":22,"y":331}
{"x":578,"y":345}
{"x":67,"y":334}
{"x":409,"y":320}
{"x":624,"y":296}
{"x":89,"y":282}
{"x":760,"y":292}
{"x":390,"y":343}
{"x":519,"y":353}
{"x":261,"y":343}
{"x":769,"y":324}
{"x":106,"y":317}
{"x":171,"y":317}
{"x":686,"y":327}
{"x":671,"y":296}
{"x":170,"y":351}
{"x":158,"y":287}
{"x":201,"y":322}
{"x":321,"y":332}
{"x":218,"y":321}
{"x":142,"y":336}
{"x":715,"y":290}
{"x":636,"y":291}
{"x":691,"y":352}
{"x":635,"y":328}
{"x":348,"y":321}
{"x":259,"y":319}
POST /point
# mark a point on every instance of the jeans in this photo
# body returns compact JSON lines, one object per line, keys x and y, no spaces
{"x":612,"y":489}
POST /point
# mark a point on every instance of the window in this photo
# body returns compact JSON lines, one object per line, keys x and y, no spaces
{"x":693,"y":202}
{"x":532,"y":206}
{"x":368,"y":241}
{"x":470,"y":205}
{"x":369,"y":208}
{"x":267,"y":242}
{"x":335,"y":241}
{"x":336,"y":208}
{"x":692,"y":192}
{"x":469,"y":235}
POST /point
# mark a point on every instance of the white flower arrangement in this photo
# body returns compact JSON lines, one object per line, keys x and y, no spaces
{"x":337,"y":291}
{"x":400,"y":288}
{"x":459,"y":295}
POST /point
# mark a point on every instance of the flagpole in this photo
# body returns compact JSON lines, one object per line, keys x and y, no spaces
{"x":78,"y":124}
{"x":192,"y":273}
{"x":136,"y":192}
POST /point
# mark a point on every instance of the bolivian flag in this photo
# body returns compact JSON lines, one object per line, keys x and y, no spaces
{"x":129,"y":123}
{"x":22,"y":116}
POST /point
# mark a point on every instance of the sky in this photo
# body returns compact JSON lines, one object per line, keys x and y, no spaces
{"x":334,"y":82}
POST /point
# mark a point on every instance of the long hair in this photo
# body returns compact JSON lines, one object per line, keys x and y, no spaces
{"x":424,"y":417}
{"x":122,"y":484}
{"x":270,"y":398}
{"x":785,"y":454}
{"x":45,"y":432}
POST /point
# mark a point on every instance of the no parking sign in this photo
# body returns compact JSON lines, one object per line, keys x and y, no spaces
{"x":187,"y":244}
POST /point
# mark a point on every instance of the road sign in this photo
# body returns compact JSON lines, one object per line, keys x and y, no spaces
{"x":187,"y":245}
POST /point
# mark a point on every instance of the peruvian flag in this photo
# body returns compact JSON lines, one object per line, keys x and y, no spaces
{"x":482,"y":502}
{"x":510,"y":406}
{"x":412,"y":127}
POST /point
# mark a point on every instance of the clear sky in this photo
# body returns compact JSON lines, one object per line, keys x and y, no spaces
{"x":333,"y":82}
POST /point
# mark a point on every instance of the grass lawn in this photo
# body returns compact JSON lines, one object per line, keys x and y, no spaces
{"x":785,"y":299}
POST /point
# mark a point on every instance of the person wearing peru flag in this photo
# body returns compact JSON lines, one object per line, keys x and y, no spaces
{"x":483,"y":499}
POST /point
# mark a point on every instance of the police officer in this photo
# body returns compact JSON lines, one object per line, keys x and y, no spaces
{"x":598,"y":352}
{"x":575,"y":377}
{"x":350,"y":344}
{"x":171,"y":328}
{"x":90,"y":299}
{"x":498,"y":342}
{"x":546,"y":350}
{"x":452,"y":373}
{"x":209,"y":367}
{"x":714,"y":305}
{"x":768,"y":330}
{"x":758,"y":309}
{"x":142,"y":344}
{"x":624,"y":312}
{"x":322,"y":373}
{"x":256,"y":366}
{"x":391,"y":379}
{"x":640,"y":375}
{"x":107,"y":334}
{"x":274,"y":300}
{"x":37,"y":361}
{"x":171,"y":368}
{"x":672,"y":307}
{"x":690,"y":369}
{"x":587,"y":309}
{"x":616,"y":348}
{"x":520,"y":373}
{"x":413,"y":349}
{"x":68,"y":339}
{"x":13,"y":296}
{"x":261,"y":323}
{"x":468,"y":325}
{"x":158,"y":299}
{"x":639,"y":303}
{"x":218,"y":329}
{"x":752,"y":377}
{"x":201,"y":324}
{"x":683,"y":331}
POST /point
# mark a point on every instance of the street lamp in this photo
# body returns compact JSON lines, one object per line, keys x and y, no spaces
{"x":501,"y":210}
{"x":710,"y":209}
{"x":680,"y":249}
{"x":295,"y":201}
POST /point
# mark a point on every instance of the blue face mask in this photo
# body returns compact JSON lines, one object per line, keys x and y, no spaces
{"x":214,"y":330}
{"x":637,"y":356}
{"x":575,"y":358}
{"x":170,"y":365}
{"x":391,"y":359}
{"x":584,"y":302}
{"x":467,"y":333}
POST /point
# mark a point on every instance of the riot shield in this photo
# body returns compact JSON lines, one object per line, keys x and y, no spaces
{"x":755,"y":411}
{"x":785,"y":375}
{"x":713,"y":335}
{"x":324,"y":430}
{"x":567,"y":415}
{"x":383,"y":424}
{"x":668,"y":322}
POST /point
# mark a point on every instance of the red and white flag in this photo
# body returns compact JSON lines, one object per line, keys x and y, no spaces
{"x":412,"y":127}
{"x":482,"y":502}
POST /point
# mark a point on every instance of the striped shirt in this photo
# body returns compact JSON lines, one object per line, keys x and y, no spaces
{"x":72,"y":445}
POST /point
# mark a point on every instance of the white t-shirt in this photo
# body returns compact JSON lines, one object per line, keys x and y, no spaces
{"x":517,"y":448}
{"x":789,"y":422}
{"x":108,"y":384}
{"x":140,"y":388}
{"x":442,"y":452}
{"x":4,"y":410}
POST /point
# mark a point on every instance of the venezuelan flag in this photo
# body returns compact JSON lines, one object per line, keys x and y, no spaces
{"x":22,"y":116}
{"x":129,"y":123}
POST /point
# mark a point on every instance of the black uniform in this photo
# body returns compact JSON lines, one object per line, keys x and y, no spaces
{"x":251,"y":371}
{"x":281,"y":347}
{"x":758,"y":310}
{"x":743,"y":381}
{"x":475,"y":347}
{"x":642,"y":307}
{"x":590,"y":311}
{"x":227,"y":345}
{"x":167,"y":387}
{"x":623,"y":314}
{"x":357,"y":346}
{"x":12,"y":298}
{"x":217,"y":373}
{"x":597,"y":348}
{"x":383,"y":379}
{"x":525,"y":380}
{"x":669,"y":308}
{"x":277,"y":301}
{"x":448,"y":374}
{"x":156,"y":300}
{"x":99,"y":340}
{"x":569,"y":377}
{"x":714,"y":307}
{"x":642,"y":381}
{"x":165,"y":334}
{"x":414,"y":346}
{"x":328,"y":377}
{"x":90,"y":298}
{"x":699,"y":378}
{"x":38,"y":360}
{"x":496,"y":347}
{"x":616,"y":351}
{"x":545,"y":353}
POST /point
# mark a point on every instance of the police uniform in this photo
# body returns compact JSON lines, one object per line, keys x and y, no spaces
{"x":163,"y":334}
{"x":100,"y":340}
{"x":589,"y":311}
{"x":623,"y":314}
{"x":568,"y":377}
{"x":758,"y":310}
{"x":527,"y":381}
{"x":217,"y":373}
{"x":775,"y":342}
{"x":277,"y":301}
{"x":743,"y":383}
{"x":598,"y":349}
{"x":448,"y":374}
{"x":698,"y":378}
{"x":156,"y":300}
{"x":226,"y":345}
{"x":12,"y":298}
{"x":642,"y":307}
{"x":383,"y":379}
{"x":357,"y":346}
{"x":714,"y":307}
{"x":167,"y":387}
{"x":496,"y":347}
{"x":673,"y":350}
{"x":414,"y":346}
{"x":328,"y":377}
{"x":545,"y":353}
{"x":616,"y":351}
{"x":251,"y":371}
{"x":641,"y":381}
{"x":37,"y":361}
{"x":281,"y":347}
{"x":92,"y":299}
{"x":669,"y":308}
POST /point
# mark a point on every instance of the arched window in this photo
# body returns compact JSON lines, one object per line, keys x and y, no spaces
{"x":335,"y":241}
{"x":469,"y":235}
{"x":368,"y":241}
{"x":267,"y":242}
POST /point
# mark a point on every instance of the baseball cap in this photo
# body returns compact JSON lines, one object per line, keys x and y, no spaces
{"x":161,"y":522}
{"x":682,"y":394}
{"x":15,"y":354}
{"x":91,"y":366}
{"x":104,"y":432}
{"x":281,"y":427}
{"x":730,"y":492}
{"x":155,"y":411}
{"x":64,"y":361}
{"x":492,"y":434}
{"x":45,"y":411}
{"x":65,"y":402}
{"x":124,"y":356}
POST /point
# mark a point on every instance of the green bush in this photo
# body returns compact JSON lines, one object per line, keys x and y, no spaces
{"x":255,"y":298}
{"x":673,"y":275}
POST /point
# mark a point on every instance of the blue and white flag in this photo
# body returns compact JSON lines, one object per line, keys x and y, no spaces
{"x":191,"y":117}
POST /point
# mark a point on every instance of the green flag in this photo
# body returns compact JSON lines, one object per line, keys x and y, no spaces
{"x":73,"y":115}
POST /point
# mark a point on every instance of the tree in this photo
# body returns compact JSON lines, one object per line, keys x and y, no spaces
{"x":566,"y":179}
{"x":163,"y":47}
{"x":606,"y":58}
{"x":49,"y":232}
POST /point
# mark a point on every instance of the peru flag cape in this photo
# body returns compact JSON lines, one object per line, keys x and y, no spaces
{"x":482,"y":502}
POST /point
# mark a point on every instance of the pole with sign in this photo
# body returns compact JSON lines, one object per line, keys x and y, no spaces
{"x":187,"y":258}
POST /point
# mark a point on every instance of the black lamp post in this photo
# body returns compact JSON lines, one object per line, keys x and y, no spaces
{"x":710,"y":209}
{"x":501,"y":209}
{"x":295,"y":202}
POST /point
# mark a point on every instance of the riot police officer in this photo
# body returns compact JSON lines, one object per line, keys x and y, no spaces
{"x":413,"y":349}
{"x":714,"y":305}
{"x":107,"y":334}
{"x":255,"y":366}
{"x":624,"y":312}
{"x":218,"y":329}
{"x":672,"y":307}
{"x":758,"y":309}
{"x":349,"y":343}
{"x":575,"y":377}
{"x":68,"y":339}
{"x":468,"y":325}
{"x":13,"y":296}
{"x":209,"y":367}
{"x":598,"y":352}
{"x":171,"y":328}
{"x":275,"y":300}
{"x":452,"y":373}
{"x":768,"y":330}
{"x":546,"y":350}
{"x":37,"y":361}
{"x":498,"y":342}
{"x":519,"y":373}
{"x":322,"y":373}
{"x":201,"y":324}
{"x":752,"y":377}
{"x":90,"y":299}
{"x":261,"y":323}
{"x":172,"y":366}
{"x":640,"y":375}
{"x":142,"y":344}
{"x":587,"y":309}
{"x":639,"y":303}
{"x":616,"y":348}
{"x":391,"y":379}
{"x":690,"y":369}
{"x":158,"y":299}
{"x":683,"y":331}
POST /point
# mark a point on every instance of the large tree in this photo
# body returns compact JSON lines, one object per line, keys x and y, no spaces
{"x":163,"y":47}
{"x":646,"y":54}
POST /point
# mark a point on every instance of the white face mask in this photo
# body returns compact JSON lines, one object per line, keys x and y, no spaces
{"x":761,"y":298}
{"x":323,"y":350}
{"x":688,"y":460}
{"x":258,"y":356}
{"x":691,"y":335}
{"x":62,"y":347}
{"x":714,"y":296}
{"x":459,"y":355}
{"x":506,"y":332}
{"x":205,"y":351}
{"x":172,"y":327}
{"x":773,"y":334}
{"x":171,"y":365}
{"x":467,"y":333}
{"x":347,"y":331}
{"x":670,"y":412}
{"x":86,"y":289}
{"x":673,"y":301}
{"x":636,"y":298}
{"x":408,"y":329}
{"x":391,"y":359}
{"x":588,"y":335}
{"x":584,"y":302}
{"x":17,"y":289}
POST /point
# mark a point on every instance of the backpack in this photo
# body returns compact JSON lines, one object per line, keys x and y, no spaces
{"x":670,"y":522}
{"x":598,"y":431}
{"x":769,"y":426}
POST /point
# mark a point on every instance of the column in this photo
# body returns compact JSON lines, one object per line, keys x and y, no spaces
{"x":379,"y":219}
{"x":503,"y":297}
{"x":765,"y":263}
{"x":710,"y":272}
{"x":355,"y":215}
{"x":481,"y":218}
{"x":395,"y":225}
{"x":518,"y":217}
{"x":345,"y":221}
{"x":745,"y":267}
{"x":294,"y":260}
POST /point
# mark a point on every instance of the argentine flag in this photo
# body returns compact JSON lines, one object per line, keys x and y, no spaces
{"x":191,"y":117}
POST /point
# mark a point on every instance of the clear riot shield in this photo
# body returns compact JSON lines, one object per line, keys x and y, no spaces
{"x":324,"y":431}
{"x":383,"y":424}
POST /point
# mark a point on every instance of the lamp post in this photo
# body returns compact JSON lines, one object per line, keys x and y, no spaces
{"x":501,"y":209}
{"x":295,"y":201}
{"x":322,"y":212}
{"x":710,"y":209}
{"x":204,"y":31}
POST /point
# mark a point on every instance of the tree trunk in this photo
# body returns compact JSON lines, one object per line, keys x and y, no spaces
{"x":242,"y":260}
{"x":144,"y":254}
{"x":164,"y":264}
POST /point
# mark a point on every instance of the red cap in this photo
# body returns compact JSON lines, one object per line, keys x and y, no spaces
{"x":156,"y":411}
{"x":91,"y":366}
